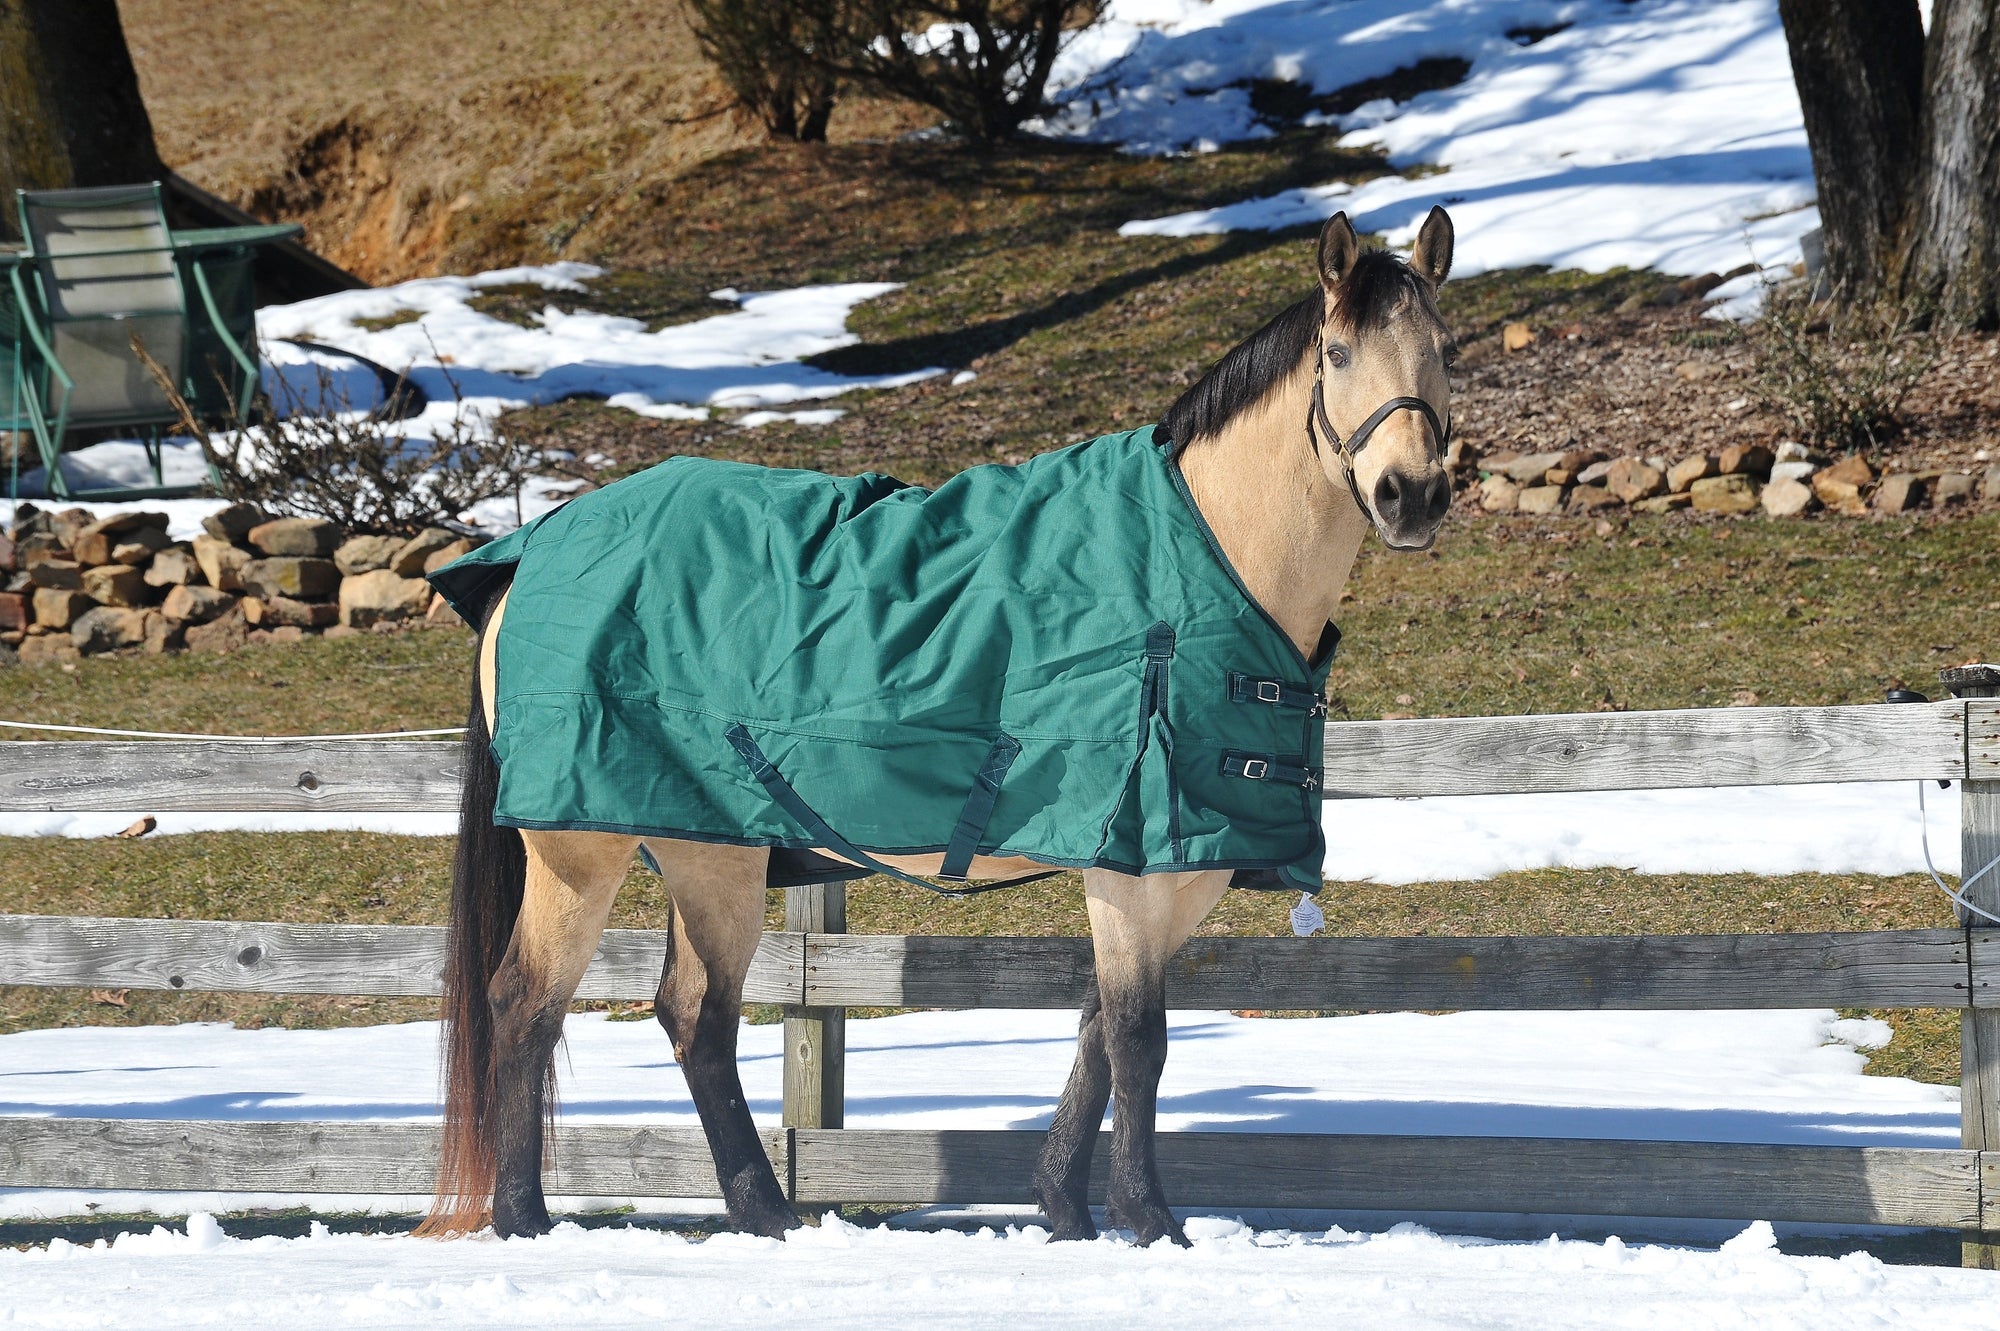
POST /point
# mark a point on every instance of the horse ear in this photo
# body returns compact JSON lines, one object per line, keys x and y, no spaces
{"x":1338,"y":250}
{"x":1431,"y":258}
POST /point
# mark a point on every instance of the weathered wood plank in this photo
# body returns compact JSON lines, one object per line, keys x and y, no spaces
{"x":389,"y":776}
{"x":1456,"y":756}
{"x":1735,"y":746}
{"x":176,"y":1156}
{"x":815,"y":1037}
{"x":1979,"y":1031}
{"x":1891,"y":968}
{"x":1886,"y":1186}
{"x":1982,"y":739}
{"x":358,"y":959}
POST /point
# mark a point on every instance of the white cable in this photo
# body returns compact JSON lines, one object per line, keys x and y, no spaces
{"x":239,"y":739}
{"x":1965,"y":880}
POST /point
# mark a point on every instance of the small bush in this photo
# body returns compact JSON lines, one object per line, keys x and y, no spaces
{"x":1840,"y":373}
{"x":359,"y":469}
{"x":771,"y":54}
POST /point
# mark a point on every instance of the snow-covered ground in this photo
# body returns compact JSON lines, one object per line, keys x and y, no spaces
{"x":1867,"y":827}
{"x":1715,"y":1076}
{"x":465,"y":360}
{"x":1659,"y":133}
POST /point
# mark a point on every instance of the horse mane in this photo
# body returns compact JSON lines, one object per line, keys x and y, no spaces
{"x":1374,"y":291}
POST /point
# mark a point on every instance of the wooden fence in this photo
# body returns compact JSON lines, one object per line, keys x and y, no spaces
{"x":816,"y":970}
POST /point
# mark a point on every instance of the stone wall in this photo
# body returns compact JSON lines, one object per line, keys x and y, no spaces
{"x":78,"y":584}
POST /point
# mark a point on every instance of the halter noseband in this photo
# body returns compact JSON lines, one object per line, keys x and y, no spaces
{"x":1351,"y":446}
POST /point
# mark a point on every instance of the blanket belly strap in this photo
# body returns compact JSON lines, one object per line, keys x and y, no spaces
{"x":978,"y":808}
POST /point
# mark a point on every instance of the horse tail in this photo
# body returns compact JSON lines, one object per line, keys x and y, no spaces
{"x":488,"y":880}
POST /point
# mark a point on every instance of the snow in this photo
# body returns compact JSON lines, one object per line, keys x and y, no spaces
{"x":842,"y":1276}
{"x":467,"y":361}
{"x":1861,"y":827}
{"x":1711,"y":1076}
{"x":1662,"y":133}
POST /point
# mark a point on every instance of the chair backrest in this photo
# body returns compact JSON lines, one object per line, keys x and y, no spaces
{"x":105,"y":261}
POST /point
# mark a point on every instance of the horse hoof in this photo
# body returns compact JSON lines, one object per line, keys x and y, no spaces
{"x":1149,"y":1222}
{"x":508,"y":1225}
{"x":767,"y":1224}
{"x":1069,"y":1218}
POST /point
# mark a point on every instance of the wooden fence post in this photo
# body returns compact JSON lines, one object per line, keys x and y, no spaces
{"x":1979,"y":1028}
{"x":816,"y":1037}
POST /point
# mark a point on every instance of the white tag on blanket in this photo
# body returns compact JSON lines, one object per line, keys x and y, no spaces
{"x":1307,"y":918}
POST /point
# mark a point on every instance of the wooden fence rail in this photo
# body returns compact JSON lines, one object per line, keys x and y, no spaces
{"x":816,"y":971}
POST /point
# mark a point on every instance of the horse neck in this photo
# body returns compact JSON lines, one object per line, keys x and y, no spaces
{"x":1290,"y":531}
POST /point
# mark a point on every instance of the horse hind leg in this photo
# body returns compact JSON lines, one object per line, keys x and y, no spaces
{"x":718,"y":894}
{"x":572,"y":878}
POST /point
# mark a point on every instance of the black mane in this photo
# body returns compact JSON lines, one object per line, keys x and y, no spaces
{"x":1371,"y":294}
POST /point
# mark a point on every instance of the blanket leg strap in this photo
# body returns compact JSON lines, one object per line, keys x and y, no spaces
{"x":788,"y":799}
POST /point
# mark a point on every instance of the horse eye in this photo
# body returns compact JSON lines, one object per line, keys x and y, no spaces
{"x":1336,"y":356}
{"x":1450,"y":357}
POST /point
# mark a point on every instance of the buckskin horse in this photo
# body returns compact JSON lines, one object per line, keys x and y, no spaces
{"x":1110,"y":658}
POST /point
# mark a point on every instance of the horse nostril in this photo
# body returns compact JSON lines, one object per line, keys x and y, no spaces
{"x":1389,"y":497}
{"x":1437,"y":497}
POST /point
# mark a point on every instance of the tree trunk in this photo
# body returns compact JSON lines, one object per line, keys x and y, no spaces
{"x":1955,"y":235}
{"x":70,"y":110}
{"x":1859,"y":67}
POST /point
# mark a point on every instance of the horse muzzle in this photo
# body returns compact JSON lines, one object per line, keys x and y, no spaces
{"x":1409,"y":507}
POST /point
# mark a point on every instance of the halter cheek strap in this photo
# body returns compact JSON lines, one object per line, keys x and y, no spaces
{"x":1351,"y":446}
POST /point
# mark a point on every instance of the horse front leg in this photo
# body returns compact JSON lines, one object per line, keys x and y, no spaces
{"x":1137,"y":924}
{"x":718,"y":894}
{"x":1062,"y":1175}
{"x":572,"y":878}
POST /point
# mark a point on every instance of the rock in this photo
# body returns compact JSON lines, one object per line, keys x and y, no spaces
{"x":257,"y":636}
{"x":96,"y":542}
{"x":1670,"y":294}
{"x":36,"y":548}
{"x":162,"y":634}
{"x":1989,"y":488}
{"x":1594,"y":474}
{"x":1954,"y":487}
{"x":223,"y":634}
{"x":1791,"y":450}
{"x":284,"y":612}
{"x":1590,"y":498}
{"x":1541,"y":499}
{"x":1683,"y":474}
{"x":1746,"y":460}
{"x":1693,"y":288}
{"x":1787,"y":497}
{"x":173,"y":567}
{"x":50,"y":649}
{"x":1517,"y":337}
{"x":221,"y":563}
{"x":1792,"y":471}
{"x":341,"y":631}
{"x":382,"y":597}
{"x":58,"y":607}
{"x":441,"y":615}
{"x":1900,"y":493}
{"x":291,"y":575}
{"x":1725,"y":494}
{"x":1663,"y":503}
{"x":116,"y":584}
{"x":1497,"y":494}
{"x":409,"y":560}
{"x":107,"y":628}
{"x":1693,"y":371}
{"x":65,"y":525}
{"x":365,"y":554}
{"x":232,"y":524}
{"x":65,"y":574}
{"x":1460,"y":456}
{"x":1632,"y":480}
{"x":190,"y":604}
{"x":1559,"y":476}
{"x":307,"y":538}
{"x":138,"y":548}
{"x":437,"y":559}
{"x":288,"y":633}
{"x":15,"y":612}
{"x":1530,"y":468}
{"x":1850,"y":470}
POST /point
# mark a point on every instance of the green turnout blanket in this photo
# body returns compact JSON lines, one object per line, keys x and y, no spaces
{"x":1052,"y":660}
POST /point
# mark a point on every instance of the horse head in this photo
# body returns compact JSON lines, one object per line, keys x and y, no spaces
{"x":1381,"y":407}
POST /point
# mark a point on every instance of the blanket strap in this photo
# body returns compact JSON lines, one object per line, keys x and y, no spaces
{"x":1263,"y":767}
{"x":978,"y":809}
{"x":788,"y":799}
{"x":1275,"y":693}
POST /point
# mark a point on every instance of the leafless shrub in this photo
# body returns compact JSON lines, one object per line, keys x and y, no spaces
{"x":1840,"y":373}
{"x":771,"y":55}
{"x":360,"y":469}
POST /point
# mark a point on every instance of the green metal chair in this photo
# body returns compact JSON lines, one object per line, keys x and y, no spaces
{"x":101,"y":271}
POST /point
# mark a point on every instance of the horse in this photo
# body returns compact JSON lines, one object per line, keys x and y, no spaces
{"x":1326,"y":423}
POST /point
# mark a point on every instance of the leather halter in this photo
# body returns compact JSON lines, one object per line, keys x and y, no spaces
{"x":1351,"y":446}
